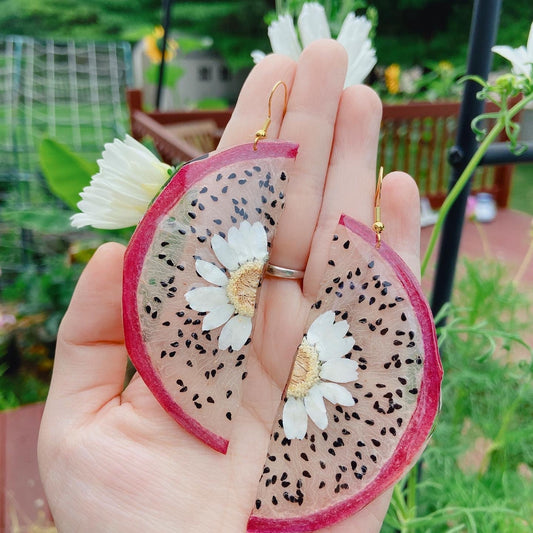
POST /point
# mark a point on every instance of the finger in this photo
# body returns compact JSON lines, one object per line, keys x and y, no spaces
{"x":90,"y":361}
{"x":251,"y":110}
{"x":309,"y":121}
{"x":400,"y":210}
{"x":351,"y":178}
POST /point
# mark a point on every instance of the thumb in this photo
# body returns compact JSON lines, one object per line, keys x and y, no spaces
{"x":90,"y":360}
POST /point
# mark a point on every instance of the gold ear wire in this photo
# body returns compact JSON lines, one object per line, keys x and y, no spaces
{"x":262,"y":133}
{"x":378,"y":226}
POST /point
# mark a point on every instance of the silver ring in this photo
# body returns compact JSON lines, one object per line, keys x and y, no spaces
{"x":285,"y":273}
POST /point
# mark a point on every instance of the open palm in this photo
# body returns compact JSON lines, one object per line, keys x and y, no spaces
{"x":111,"y":458}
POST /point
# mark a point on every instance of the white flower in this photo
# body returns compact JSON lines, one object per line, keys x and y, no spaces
{"x":313,"y":25}
{"x":521,"y":58}
{"x":119,"y":195}
{"x":320,"y":357}
{"x":232,"y":301}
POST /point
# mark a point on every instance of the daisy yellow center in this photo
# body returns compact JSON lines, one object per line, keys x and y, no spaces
{"x":305,"y":372}
{"x":242,"y":287}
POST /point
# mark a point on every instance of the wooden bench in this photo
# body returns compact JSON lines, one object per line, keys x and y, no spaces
{"x":415,"y":137}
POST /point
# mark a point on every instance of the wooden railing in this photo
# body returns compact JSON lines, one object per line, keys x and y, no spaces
{"x":415,"y":137}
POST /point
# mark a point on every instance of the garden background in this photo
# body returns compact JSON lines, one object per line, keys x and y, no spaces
{"x":478,"y":469}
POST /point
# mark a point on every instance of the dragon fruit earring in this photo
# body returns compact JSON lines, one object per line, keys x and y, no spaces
{"x":191,"y":276}
{"x":363,"y":392}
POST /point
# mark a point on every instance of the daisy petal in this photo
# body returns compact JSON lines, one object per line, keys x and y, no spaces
{"x":257,"y":56}
{"x":211,"y":273}
{"x":334,"y":349}
{"x":314,"y":405}
{"x":206,"y":298}
{"x":239,"y":242}
{"x":283,"y":39}
{"x":312,"y":23}
{"x":235,"y":333}
{"x":225,"y":254}
{"x":319,"y":328}
{"x":259,"y":243}
{"x":340,"y":370}
{"x":336,"y":394}
{"x":218,"y":316}
{"x":294,"y":418}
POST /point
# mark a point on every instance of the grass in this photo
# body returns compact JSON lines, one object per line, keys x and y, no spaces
{"x":478,"y":467}
{"x":522,"y":188}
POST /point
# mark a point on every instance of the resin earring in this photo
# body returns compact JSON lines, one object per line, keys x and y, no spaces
{"x":363,"y":391}
{"x":191,"y":277}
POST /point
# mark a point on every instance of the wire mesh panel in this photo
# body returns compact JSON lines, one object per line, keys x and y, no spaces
{"x":71,"y":91}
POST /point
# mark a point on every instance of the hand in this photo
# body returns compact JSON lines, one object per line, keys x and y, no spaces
{"x":111,"y":459}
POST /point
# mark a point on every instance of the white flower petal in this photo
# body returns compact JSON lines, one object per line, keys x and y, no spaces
{"x":530,"y":44}
{"x":340,"y":370}
{"x":239,"y":242}
{"x":218,"y":316}
{"x":206,"y":298}
{"x":257,"y":56}
{"x":361,"y":56}
{"x":313,"y":23}
{"x":336,"y":394}
{"x":318,"y":329}
{"x":294,"y":418}
{"x":334,"y":349}
{"x":259,"y":244}
{"x":225,"y":254}
{"x":283,"y":39}
{"x":314,"y":405}
{"x":119,"y":194}
{"x":235,"y":333}
{"x":211,"y":273}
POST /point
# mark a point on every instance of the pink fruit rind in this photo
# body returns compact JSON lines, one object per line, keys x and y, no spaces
{"x":420,"y":424}
{"x":139,"y":245}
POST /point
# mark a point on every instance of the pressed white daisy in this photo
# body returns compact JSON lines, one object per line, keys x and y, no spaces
{"x":319,"y":362}
{"x":119,"y":195}
{"x":521,"y":58}
{"x":232,"y":301}
{"x":313,"y":25}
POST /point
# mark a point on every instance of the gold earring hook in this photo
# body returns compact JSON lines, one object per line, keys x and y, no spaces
{"x":378,"y":226}
{"x":262,"y":133}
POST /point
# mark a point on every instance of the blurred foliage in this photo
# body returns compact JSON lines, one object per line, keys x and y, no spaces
{"x":427,"y":30}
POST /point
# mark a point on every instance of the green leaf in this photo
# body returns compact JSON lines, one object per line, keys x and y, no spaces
{"x":66,"y":173}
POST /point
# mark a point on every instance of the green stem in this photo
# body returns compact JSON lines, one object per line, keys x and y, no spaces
{"x":458,"y":187}
{"x":466,"y":174}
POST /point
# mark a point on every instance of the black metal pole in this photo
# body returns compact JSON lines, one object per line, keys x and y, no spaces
{"x":483,"y":30}
{"x":166,"y":26}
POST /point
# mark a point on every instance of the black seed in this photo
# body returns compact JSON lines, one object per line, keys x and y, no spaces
{"x":369,"y":422}
{"x":338,"y":477}
{"x":376,"y":442}
{"x":331,"y":451}
{"x":346,"y":245}
{"x":384,"y":331}
{"x":361,"y":298}
{"x":271,"y":458}
{"x":331,"y":262}
{"x":303,"y":455}
{"x":286,"y":457}
{"x":183,"y":389}
{"x":198,"y":405}
{"x":322,"y":465}
{"x":244,"y":375}
{"x":371,"y":264}
{"x":324,"y":435}
{"x":371,"y":301}
{"x":274,"y":500}
{"x":189,"y":363}
{"x":257,"y":504}
{"x":374,"y":458}
{"x":306,"y":474}
{"x":383,"y":431}
{"x":413,"y":390}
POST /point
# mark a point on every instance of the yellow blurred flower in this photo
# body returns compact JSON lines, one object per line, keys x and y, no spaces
{"x":153,"y":46}
{"x":444,"y":66}
{"x":392,"y":78}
